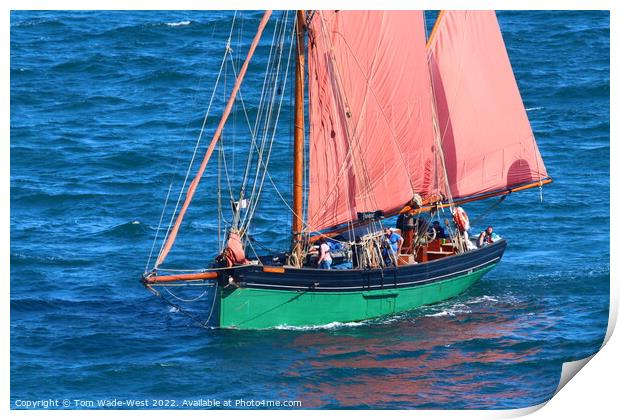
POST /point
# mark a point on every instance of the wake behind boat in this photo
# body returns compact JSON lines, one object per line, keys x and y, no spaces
{"x":398,"y":130}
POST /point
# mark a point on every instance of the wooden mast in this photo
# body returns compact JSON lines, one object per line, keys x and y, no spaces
{"x":298,"y":154}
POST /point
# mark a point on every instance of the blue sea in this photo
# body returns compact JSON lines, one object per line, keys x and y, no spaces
{"x":105,"y":111}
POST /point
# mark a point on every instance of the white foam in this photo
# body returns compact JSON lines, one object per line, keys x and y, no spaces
{"x":182,"y":23}
{"x":330,"y":326}
{"x":482,"y":299}
{"x":391,"y":319}
{"x":534,"y":108}
{"x":448,"y":312}
{"x":457,"y":309}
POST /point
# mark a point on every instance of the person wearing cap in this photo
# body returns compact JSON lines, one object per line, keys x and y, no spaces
{"x":395,"y":240}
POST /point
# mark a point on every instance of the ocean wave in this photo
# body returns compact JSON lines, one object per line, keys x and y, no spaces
{"x":590,"y":90}
{"x":482,"y":299}
{"x":33,"y":304}
{"x":457,"y":309}
{"x":163,"y":75}
{"x":595,"y":271}
{"x":126,"y":160}
{"x":132,"y":228}
{"x":96,"y":64}
{"x":467,"y":306}
{"x":24,"y":259}
{"x":47,"y":23}
{"x":53,"y":199}
{"x":45,"y":304}
{"x":152,"y":124}
{"x":181,"y":23}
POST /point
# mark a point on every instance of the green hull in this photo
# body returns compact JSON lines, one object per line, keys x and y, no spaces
{"x":249,"y":308}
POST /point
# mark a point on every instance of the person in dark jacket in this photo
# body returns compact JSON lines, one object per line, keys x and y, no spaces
{"x":440,"y":233}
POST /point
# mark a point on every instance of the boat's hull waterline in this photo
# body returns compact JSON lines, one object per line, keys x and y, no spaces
{"x":266,"y":297}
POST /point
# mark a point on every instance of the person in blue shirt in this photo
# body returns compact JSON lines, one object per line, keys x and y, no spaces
{"x":395,"y":241}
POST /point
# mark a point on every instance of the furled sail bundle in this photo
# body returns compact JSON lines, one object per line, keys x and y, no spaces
{"x":372,"y":145}
{"x":487,"y":140}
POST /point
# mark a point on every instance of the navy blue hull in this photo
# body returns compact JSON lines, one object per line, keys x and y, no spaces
{"x":355,"y":279}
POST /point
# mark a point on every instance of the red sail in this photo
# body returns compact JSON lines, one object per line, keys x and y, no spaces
{"x":487,"y":140}
{"x":371,"y":125}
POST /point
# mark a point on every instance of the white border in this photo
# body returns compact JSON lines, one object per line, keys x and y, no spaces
{"x":593,"y":394}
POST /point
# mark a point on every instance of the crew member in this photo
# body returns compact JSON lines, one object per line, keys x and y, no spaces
{"x":486,"y":237}
{"x":325,"y":256}
{"x":440,"y":233}
{"x":395,"y":240}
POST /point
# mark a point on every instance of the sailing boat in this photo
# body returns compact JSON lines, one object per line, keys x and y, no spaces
{"x":400,"y":125}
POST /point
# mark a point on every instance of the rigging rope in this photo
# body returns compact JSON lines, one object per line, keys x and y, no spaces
{"x":351,"y":137}
{"x":148,"y":263}
{"x":255,"y":198}
{"x":186,"y":300}
{"x":488,"y":210}
{"x":439,"y":137}
{"x":257,"y":122}
{"x":196,"y":180}
{"x":204,"y":324}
